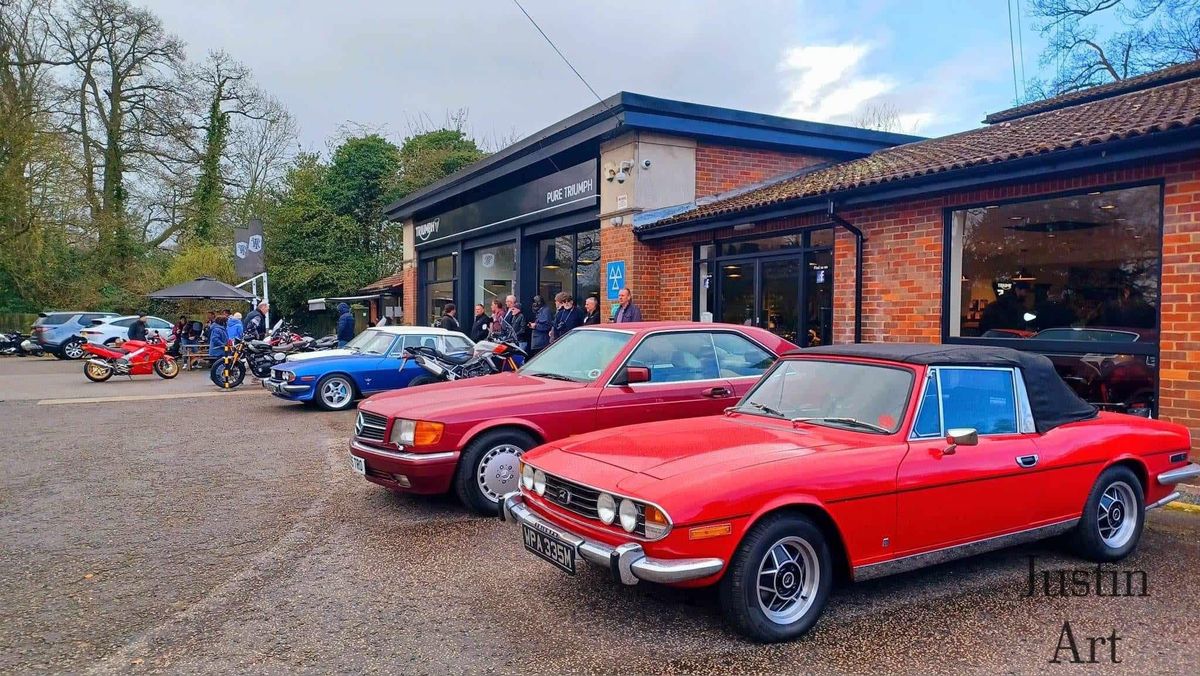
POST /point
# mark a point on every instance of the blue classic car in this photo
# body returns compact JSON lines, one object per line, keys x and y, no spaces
{"x":370,"y":363}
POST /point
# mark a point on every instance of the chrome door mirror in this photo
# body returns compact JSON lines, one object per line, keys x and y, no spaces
{"x":960,"y":436}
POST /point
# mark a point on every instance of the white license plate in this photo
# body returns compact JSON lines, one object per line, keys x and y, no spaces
{"x":550,"y":549}
{"x":358,"y":464}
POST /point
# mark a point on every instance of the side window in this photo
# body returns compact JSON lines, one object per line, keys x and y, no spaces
{"x":929,"y":423}
{"x":979,"y":398}
{"x":124,"y":323}
{"x":159,"y":325}
{"x":676,"y":357}
{"x":86,"y":319}
{"x":455,"y":344}
{"x":738,"y":357}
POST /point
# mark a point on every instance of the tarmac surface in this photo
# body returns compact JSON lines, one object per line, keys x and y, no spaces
{"x":225,"y":532}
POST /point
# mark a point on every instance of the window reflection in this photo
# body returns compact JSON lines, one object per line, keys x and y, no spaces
{"x":1089,"y":260}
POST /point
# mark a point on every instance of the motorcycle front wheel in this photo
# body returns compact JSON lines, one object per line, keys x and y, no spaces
{"x":166,"y":368}
{"x":228,"y":376}
{"x":97,"y":373}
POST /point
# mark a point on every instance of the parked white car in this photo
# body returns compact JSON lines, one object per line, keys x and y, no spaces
{"x":440,"y":339}
{"x":115,"y":329}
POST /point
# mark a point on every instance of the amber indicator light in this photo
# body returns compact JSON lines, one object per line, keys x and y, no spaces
{"x":705,"y":532}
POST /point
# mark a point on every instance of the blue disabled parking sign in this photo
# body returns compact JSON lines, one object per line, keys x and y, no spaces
{"x":615,"y":276}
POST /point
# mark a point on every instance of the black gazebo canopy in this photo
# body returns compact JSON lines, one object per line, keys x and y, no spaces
{"x":202,"y":288}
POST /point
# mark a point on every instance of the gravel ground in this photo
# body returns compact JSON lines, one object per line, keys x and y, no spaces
{"x":227,"y":533}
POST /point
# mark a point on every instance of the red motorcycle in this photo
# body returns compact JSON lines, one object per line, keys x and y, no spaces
{"x":130,"y":358}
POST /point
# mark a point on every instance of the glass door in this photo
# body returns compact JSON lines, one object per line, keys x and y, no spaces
{"x":818,"y":299}
{"x":779,"y":297}
{"x":737,"y":289}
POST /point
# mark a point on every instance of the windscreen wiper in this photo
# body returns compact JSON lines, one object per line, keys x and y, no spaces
{"x":554,"y":376}
{"x":767,"y":409}
{"x":850,"y":422}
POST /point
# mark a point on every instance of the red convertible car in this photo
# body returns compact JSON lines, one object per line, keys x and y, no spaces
{"x":849,"y":462}
{"x":468,"y":434}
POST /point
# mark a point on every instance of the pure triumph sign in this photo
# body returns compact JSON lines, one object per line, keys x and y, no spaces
{"x":544,"y":196}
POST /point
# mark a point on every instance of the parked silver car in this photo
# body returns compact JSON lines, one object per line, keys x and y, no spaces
{"x":110,"y":330}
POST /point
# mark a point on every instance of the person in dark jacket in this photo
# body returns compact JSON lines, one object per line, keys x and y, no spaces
{"x":448,"y":321}
{"x":481,"y":325}
{"x":345,"y":325}
{"x":591,"y":311}
{"x":137,"y":330}
{"x":217,"y":337}
{"x":626,"y":310}
{"x":540,"y":327}
{"x":512,"y":324}
{"x":567,"y":317}
{"x":255,"y":323}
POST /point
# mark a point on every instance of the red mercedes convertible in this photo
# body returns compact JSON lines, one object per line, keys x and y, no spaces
{"x":852,"y":462}
{"x":467,"y":435}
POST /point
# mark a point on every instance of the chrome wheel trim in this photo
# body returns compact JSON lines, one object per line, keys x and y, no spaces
{"x":336,"y":392}
{"x":169,"y":367}
{"x":787,"y":581}
{"x":73,"y":349}
{"x":498,"y":472}
{"x":1117,"y":515}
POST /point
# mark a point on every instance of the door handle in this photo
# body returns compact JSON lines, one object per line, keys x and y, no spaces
{"x":1027,"y":461}
{"x":716,"y":392}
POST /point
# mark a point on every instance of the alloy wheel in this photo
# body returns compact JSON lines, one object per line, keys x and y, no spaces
{"x":1117,"y":514}
{"x":336,"y":393}
{"x":73,"y":349}
{"x":788,"y":578}
{"x":498,"y":471}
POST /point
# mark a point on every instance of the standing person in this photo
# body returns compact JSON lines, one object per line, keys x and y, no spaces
{"x":513,"y":326}
{"x":233,"y":326}
{"x":591,"y":311}
{"x":217,"y":337}
{"x":481,"y":325}
{"x":345,"y":325}
{"x":567,"y":317}
{"x":137,"y":330}
{"x":448,"y":321}
{"x":541,"y":326}
{"x":626,"y":310}
{"x":255,"y":324}
{"x":497,"y":316}
{"x":208,"y":324}
{"x":178,"y":337}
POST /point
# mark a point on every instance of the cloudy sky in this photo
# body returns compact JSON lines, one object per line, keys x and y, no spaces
{"x":942,"y":64}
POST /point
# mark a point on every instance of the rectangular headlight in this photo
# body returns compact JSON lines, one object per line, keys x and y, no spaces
{"x":416,"y":432}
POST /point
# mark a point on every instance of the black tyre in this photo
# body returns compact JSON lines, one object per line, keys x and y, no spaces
{"x":96,"y":374}
{"x":335,"y":392}
{"x":73,"y":349}
{"x":423,"y":380}
{"x":488,"y":469}
{"x":166,"y":368}
{"x":1113,"y":517}
{"x":227,"y":376}
{"x":779,"y":580}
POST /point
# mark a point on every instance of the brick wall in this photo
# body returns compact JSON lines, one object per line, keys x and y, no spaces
{"x":409,"y":299}
{"x":902,"y":281}
{"x":722,"y":168}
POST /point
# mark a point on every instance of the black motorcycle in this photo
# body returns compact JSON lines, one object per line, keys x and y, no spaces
{"x":486,"y":358}
{"x":10,"y":343}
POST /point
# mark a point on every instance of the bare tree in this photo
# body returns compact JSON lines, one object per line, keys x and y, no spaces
{"x":883,"y":116}
{"x":126,"y":73}
{"x":1092,"y":42}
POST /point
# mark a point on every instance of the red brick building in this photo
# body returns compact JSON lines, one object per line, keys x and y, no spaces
{"x":1069,"y":227}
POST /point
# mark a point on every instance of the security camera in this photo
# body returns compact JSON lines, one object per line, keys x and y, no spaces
{"x":645,"y":164}
{"x":621,"y":176}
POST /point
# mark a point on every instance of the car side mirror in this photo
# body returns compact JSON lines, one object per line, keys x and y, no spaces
{"x":632,"y":374}
{"x":962,"y":436}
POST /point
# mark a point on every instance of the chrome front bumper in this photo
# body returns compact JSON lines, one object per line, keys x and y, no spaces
{"x":628,"y":563}
{"x":281,"y":387}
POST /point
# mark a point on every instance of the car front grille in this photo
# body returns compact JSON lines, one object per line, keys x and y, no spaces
{"x":581,"y":500}
{"x":370,"y":426}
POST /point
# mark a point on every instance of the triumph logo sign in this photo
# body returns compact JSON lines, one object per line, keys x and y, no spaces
{"x":255,"y":243}
{"x":240,"y":248}
{"x":426,"y":230}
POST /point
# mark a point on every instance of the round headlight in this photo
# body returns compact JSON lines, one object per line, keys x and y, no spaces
{"x":606,"y":508}
{"x":527,"y":477}
{"x":539,"y":482}
{"x":628,"y":513}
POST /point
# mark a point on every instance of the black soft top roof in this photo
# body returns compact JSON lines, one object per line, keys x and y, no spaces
{"x":1053,"y":402}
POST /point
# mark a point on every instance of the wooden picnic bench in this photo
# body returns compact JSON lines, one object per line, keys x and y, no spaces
{"x":192,"y":355}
